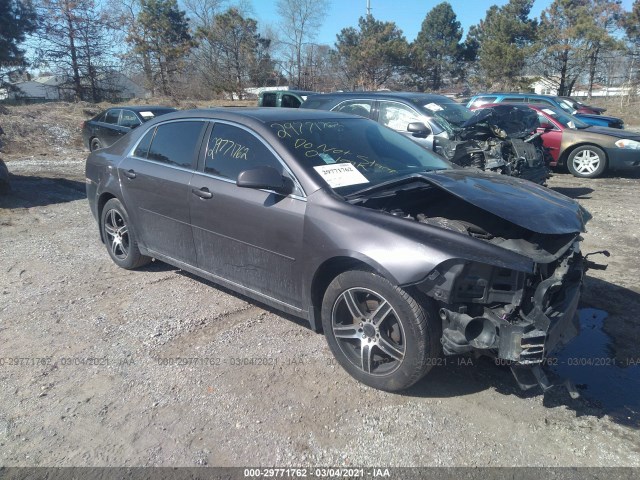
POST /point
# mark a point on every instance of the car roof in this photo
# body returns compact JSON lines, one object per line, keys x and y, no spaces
{"x":534,"y":106}
{"x":259,"y":114}
{"x":141,"y":108}
{"x":297,"y":92}
{"x":394,"y":95}
{"x":515,"y":94}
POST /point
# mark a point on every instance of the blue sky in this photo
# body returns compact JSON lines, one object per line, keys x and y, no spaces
{"x":407,"y":14}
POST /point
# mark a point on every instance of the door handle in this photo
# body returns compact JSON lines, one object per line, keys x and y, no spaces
{"x":202,"y":192}
{"x":129,"y":174}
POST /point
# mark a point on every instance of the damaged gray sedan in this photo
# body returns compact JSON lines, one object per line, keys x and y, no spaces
{"x":397,"y":256}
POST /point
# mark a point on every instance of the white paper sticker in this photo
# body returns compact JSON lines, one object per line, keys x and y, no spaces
{"x":340,"y":175}
{"x":146,"y":114}
{"x":548,"y":112}
{"x":433,"y":107}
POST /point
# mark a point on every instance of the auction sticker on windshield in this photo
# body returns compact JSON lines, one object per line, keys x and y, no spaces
{"x":340,"y":175}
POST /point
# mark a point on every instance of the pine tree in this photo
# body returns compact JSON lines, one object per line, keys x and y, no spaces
{"x":373,"y":53}
{"x":437,"y":50}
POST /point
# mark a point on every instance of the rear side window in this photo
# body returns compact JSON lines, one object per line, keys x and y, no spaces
{"x":355,"y":107}
{"x":143,"y":147}
{"x":540,"y":100}
{"x":289,"y":101}
{"x":232,"y":150}
{"x":129,"y":119}
{"x":268,"y":99}
{"x":112,"y":117}
{"x":176,"y":143}
{"x":514,"y":99}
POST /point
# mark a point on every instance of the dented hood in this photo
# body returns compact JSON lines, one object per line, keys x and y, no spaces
{"x":521,"y":202}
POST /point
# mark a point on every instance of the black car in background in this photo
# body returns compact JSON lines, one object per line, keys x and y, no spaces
{"x":334,"y":218}
{"x":111,"y":124}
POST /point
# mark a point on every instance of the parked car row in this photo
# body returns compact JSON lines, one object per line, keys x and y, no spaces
{"x":448,"y":128}
{"x":586,"y":150}
{"x":522,"y":134}
{"x":567,"y":104}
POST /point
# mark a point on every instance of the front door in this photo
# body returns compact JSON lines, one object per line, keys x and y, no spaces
{"x":248,"y":236}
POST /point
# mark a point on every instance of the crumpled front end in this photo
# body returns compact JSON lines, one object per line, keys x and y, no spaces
{"x":501,"y":139}
{"x":519,"y":318}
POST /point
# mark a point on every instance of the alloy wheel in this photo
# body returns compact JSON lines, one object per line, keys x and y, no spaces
{"x":117,"y":232}
{"x":368,"y":331}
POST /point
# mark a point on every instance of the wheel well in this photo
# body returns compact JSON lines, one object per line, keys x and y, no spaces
{"x":324,"y":276}
{"x":102,"y":200}
{"x":565,"y":155}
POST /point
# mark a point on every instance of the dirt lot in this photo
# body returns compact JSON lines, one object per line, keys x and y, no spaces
{"x":107,"y":367}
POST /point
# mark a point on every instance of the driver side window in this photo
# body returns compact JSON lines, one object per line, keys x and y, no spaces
{"x":230,"y":150}
{"x":397,"y":116}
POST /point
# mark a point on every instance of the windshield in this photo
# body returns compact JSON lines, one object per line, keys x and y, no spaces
{"x":566,"y":120}
{"x":352,"y":154}
{"x":452,"y":112}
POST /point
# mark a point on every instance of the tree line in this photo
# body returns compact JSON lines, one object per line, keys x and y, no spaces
{"x":208,"y":48}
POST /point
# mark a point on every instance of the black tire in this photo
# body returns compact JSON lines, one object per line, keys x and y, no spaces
{"x":385,"y":338}
{"x":119,"y":237}
{"x":587,"y":161}
{"x":95,"y":144}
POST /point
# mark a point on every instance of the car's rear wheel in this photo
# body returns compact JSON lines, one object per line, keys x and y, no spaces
{"x":587,"y":161}
{"x":377,"y":331}
{"x":119,"y":237}
{"x":95,"y":144}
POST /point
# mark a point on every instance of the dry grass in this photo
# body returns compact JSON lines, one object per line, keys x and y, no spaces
{"x":628,"y":110}
{"x":55,"y":129}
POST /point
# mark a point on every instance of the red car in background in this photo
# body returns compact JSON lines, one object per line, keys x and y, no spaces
{"x":586,"y":150}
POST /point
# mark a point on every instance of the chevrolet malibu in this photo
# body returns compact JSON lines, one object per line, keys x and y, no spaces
{"x":398,"y":257}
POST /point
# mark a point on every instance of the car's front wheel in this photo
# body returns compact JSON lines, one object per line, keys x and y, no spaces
{"x":119,"y":237}
{"x":378,"y":332}
{"x":587,"y":161}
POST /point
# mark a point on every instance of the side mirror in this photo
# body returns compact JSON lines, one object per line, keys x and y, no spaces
{"x":546,"y":126}
{"x":267,"y":178}
{"x":418,"y":129}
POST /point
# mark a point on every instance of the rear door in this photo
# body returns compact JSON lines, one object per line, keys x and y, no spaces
{"x":247,"y":236}
{"x":108,"y":130}
{"x":155,"y":181}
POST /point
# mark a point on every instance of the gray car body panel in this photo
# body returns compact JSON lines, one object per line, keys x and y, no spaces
{"x":331,"y":228}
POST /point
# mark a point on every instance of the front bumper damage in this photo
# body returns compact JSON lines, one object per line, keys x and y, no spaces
{"x":517,"y":318}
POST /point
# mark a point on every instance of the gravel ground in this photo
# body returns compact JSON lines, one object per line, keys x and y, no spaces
{"x":158,"y":368}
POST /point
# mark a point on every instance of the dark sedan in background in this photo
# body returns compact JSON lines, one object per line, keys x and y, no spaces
{"x":111,"y":124}
{"x":373,"y":239}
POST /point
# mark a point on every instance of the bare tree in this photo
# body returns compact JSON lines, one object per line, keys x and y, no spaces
{"x":300,"y":21}
{"x":74,"y":38}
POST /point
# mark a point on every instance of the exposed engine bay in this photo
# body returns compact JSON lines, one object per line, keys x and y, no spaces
{"x":518,"y":317}
{"x":500,"y":139}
